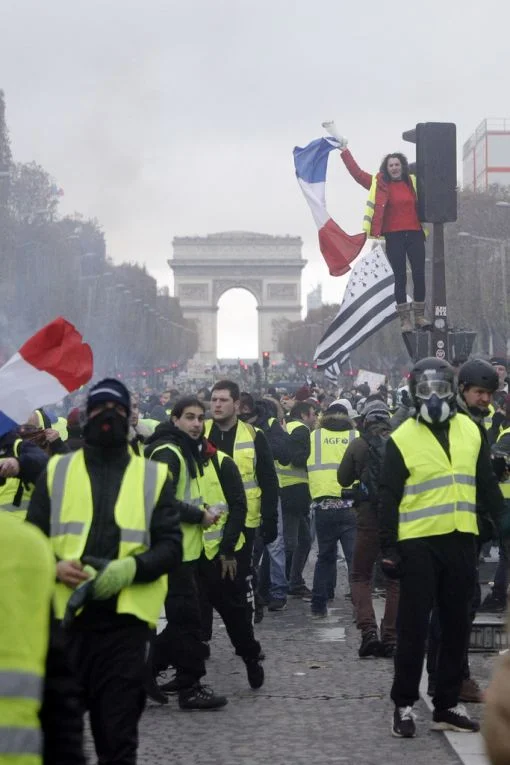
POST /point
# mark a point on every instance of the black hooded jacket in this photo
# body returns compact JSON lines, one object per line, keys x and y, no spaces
{"x":197,"y":454}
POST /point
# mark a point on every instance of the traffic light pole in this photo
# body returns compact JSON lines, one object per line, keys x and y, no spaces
{"x":439,"y":347}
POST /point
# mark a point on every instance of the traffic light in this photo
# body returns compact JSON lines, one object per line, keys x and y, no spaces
{"x":266,"y":357}
{"x":436,"y":170}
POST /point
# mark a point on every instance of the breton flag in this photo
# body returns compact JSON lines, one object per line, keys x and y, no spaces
{"x":311,"y":162}
{"x":333,"y":372}
{"x":51,"y":364}
{"x":368,"y":304}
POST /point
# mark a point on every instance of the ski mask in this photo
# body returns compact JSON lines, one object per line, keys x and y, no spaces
{"x":435,"y":410}
{"x":107,"y":429}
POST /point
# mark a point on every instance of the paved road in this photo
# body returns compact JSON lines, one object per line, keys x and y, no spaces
{"x":320,"y":704}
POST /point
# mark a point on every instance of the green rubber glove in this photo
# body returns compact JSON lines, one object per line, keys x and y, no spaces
{"x":117,"y":575}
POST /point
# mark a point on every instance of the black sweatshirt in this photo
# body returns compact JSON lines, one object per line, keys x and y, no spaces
{"x":394,"y":475}
{"x":228,"y":474}
{"x":106,"y":468}
{"x":265,"y":474}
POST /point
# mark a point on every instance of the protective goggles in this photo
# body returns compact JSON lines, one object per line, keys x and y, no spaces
{"x":427,"y":388}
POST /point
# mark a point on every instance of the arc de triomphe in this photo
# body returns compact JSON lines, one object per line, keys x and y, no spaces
{"x":267,"y":266}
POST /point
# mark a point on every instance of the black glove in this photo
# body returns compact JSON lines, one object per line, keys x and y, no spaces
{"x":269,"y":532}
{"x":391,"y":564}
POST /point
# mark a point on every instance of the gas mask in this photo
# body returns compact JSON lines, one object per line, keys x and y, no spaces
{"x":435,"y":400}
{"x":106,"y":429}
{"x":435,"y":410}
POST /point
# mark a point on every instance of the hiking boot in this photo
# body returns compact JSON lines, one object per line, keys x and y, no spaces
{"x":172,"y":686}
{"x":456,"y":718}
{"x":470,"y":692}
{"x":153,"y":690}
{"x":255,"y":672}
{"x":420,"y":320}
{"x":200,"y":697}
{"x":492,"y":604}
{"x":277,"y":604}
{"x":387,"y":649}
{"x":320,"y":614}
{"x":303,"y":593}
{"x":370,"y":645}
{"x":403,"y":723}
{"x":404,"y":314}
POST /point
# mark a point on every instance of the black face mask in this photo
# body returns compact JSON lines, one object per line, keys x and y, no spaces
{"x":108,"y":428}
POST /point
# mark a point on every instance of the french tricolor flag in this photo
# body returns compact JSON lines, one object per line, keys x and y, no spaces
{"x":51,"y":364}
{"x":311,"y":163}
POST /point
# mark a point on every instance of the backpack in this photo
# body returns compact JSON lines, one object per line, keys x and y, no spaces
{"x":376,"y":451}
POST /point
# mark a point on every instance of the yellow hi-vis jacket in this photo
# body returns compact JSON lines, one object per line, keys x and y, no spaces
{"x":487,"y":421}
{"x":327,"y":450}
{"x":439,"y":495}
{"x":370,"y":207}
{"x":504,"y":485}
{"x":70,"y":493}
{"x":27,"y":573}
{"x":14,"y":494}
{"x":290,"y":475}
{"x":188,"y":490}
{"x":213,"y":494}
{"x":245,"y":458}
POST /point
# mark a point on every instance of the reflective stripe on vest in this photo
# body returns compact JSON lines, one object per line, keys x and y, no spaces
{"x":74,"y":528}
{"x":71,"y":515}
{"x":214,"y":495}
{"x":191,"y":532}
{"x":22,"y":685}
{"x":370,"y":205}
{"x":289,"y":475}
{"x":504,"y":485}
{"x":487,"y":421}
{"x":245,"y":457}
{"x":439,"y":494}
{"x":322,"y":476}
{"x":20,"y":741}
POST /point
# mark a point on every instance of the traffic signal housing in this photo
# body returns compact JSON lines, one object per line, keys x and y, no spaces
{"x":436,"y":170}
{"x":266,"y":358}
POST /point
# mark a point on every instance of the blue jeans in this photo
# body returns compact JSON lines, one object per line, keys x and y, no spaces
{"x":331,"y":525}
{"x":272,"y":577}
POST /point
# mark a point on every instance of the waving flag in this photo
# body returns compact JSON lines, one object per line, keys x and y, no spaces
{"x":338,"y":248}
{"x":368,"y":304}
{"x":51,"y":364}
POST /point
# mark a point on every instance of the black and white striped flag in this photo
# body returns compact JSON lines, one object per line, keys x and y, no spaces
{"x":368,"y":304}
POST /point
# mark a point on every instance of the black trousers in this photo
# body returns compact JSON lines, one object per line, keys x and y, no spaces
{"x":228,"y":598}
{"x":110,"y":667}
{"x":398,"y":245}
{"x":247,"y":571}
{"x":180,"y":643}
{"x":440,"y":570}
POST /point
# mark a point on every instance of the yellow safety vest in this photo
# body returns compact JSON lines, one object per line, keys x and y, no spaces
{"x":61,"y":426}
{"x":213,"y":494}
{"x":188,"y":490}
{"x":14,"y":494}
{"x":370,"y":208}
{"x":150,"y":424}
{"x":27,"y":573}
{"x":290,"y":475}
{"x":504,"y":485}
{"x":439,"y":495}
{"x":327,"y":451}
{"x":246,"y":459}
{"x":70,"y":493}
{"x":487,"y":421}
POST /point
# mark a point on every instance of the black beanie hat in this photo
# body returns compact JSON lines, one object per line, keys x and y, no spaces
{"x":106,"y":390}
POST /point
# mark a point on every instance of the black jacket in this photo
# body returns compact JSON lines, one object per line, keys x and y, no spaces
{"x":299,"y":444}
{"x":276,"y":437}
{"x":32,"y":459}
{"x":265,"y":473}
{"x":106,"y":468}
{"x":394,"y":475}
{"x":197,"y":454}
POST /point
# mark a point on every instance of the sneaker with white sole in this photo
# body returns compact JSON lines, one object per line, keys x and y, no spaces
{"x":456,"y":718}
{"x":403,"y":723}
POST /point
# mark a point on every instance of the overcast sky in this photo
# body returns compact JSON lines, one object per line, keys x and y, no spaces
{"x":166,"y":118}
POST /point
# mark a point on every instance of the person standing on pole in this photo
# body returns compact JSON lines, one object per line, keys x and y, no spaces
{"x":435,"y":469}
{"x":391,"y":212}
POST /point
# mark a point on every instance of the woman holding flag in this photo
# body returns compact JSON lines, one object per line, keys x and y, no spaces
{"x":391,"y":212}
